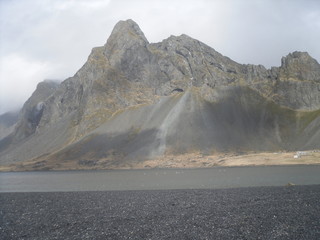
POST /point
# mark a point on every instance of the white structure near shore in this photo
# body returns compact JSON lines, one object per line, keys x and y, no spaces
{"x":299,"y":154}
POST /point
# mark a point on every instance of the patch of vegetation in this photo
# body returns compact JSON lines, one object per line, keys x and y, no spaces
{"x":307,"y":117}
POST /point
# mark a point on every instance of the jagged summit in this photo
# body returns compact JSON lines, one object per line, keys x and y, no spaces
{"x":125,"y":35}
{"x":128,"y":27}
{"x":180,"y":38}
{"x":300,"y":65}
{"x":134,"y":100}
{"x":297,"y":56}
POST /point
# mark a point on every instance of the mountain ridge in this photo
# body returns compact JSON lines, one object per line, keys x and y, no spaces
{"x":129,"y":73}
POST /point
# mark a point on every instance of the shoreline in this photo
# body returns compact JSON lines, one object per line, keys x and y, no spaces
{"x":156,"y":168}
{"x":183,"y":161}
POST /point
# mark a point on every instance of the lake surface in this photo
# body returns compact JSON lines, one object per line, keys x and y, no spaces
{"x":155,"y":179}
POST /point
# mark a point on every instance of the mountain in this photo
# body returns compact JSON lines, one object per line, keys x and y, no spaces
{"x":7,"y":123}
{"x":133,"y":101}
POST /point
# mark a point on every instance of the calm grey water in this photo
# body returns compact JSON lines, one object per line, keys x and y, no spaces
{"x":219,"y":177}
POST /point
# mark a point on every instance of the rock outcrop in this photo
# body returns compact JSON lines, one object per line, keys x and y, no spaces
{"x":32,"y":110}
{"x":134,"y":100}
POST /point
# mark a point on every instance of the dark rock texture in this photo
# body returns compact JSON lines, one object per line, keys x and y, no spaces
{"x":214,"y":103}
{"x":244,"y":213}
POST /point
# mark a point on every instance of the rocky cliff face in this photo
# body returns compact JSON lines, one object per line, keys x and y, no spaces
{"x":229,"y":105}
{"x":32,"y":110}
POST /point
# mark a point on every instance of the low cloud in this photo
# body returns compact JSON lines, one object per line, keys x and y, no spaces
{"x":19,"y":76}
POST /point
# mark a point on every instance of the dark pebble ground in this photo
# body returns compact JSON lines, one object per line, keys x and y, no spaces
{"x":243,"y":213}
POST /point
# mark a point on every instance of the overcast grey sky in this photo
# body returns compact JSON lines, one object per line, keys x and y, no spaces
{"x":51,"y":39}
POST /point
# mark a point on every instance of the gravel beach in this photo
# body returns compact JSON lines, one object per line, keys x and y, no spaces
{"x":291,"y":212}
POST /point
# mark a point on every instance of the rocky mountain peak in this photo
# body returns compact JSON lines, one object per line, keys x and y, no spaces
{"x":300,"y":66}
{"x":183,"y":38}
{"x":47,"y":85}
{"x":32,"y":110}
{"x":297,"y":57}
{"x":125,"y":35}
{"x":129,"y":26}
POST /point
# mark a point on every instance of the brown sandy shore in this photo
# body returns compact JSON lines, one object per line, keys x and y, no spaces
{"x":244,"y":213}
{"x":192,"y":160}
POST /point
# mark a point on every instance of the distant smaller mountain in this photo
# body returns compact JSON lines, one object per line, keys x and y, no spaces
{"x":8,"y":121}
